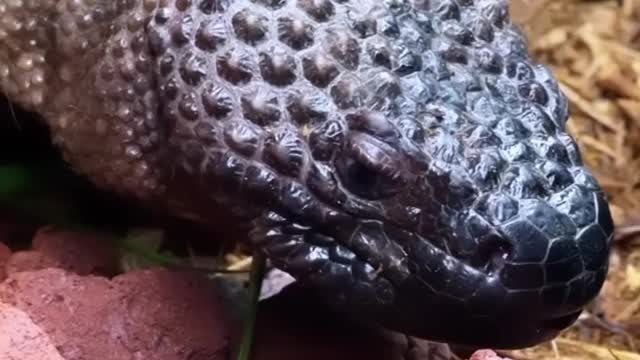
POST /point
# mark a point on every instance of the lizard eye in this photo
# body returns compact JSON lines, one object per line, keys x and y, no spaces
{"x":369,"y":168}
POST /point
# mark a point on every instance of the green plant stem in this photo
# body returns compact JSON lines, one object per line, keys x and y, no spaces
{"x":258,"y":266}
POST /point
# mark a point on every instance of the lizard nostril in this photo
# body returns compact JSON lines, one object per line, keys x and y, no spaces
{"x":491,"y":254}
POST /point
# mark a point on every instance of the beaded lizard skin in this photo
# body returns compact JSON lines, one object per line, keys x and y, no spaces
{"x":406,"y":159}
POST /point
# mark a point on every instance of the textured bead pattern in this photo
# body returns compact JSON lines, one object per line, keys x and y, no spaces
{"x":406,"y":157}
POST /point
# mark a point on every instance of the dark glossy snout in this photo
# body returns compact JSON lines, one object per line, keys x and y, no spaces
{"x":526,"y":279}
{"x":521,"y":286}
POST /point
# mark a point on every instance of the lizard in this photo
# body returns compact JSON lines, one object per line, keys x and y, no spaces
{"x":406,"y":159}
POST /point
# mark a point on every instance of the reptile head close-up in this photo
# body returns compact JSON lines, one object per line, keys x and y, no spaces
{"x":406,"y":159}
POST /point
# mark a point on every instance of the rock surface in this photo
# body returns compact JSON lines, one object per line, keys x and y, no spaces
{"x":22,"y":339}
{"x":80,"y":253}
{"x":140,"y":315}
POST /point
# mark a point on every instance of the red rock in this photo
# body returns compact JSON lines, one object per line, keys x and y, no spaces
{"x":29,"y":261}
{"x":22,"y":339}
{"x":486,"y":355}
{"x":140,"y":315}
{"x":80,"y":252}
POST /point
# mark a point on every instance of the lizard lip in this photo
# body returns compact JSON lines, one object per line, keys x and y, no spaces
{"x":515,"y":335}
{"x":415,"y":287}
{"x":449,"y":300}
{"x":505,"y":331}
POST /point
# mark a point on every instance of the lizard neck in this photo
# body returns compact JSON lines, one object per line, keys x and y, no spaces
{"x":24,"y":42}
{"x":35,"y":42}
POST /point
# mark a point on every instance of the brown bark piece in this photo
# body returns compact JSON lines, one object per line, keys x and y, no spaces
{"x":5,"y":254}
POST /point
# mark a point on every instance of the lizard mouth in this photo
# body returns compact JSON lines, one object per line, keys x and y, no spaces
{"x":379,"y":273}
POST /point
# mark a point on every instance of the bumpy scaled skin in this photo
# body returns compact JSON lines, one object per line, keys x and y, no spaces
{"x":404,"y":157}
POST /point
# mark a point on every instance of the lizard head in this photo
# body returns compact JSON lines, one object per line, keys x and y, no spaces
{"x":407,"y":159}
{"x":473,"y":230}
